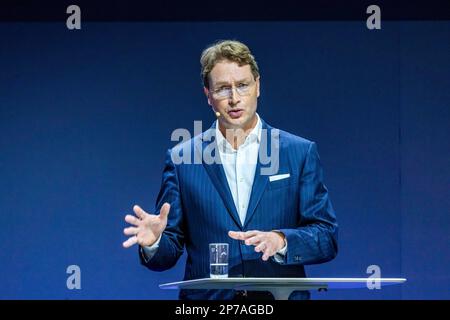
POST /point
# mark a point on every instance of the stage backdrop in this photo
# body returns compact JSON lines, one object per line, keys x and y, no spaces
{"x":86,"y":117}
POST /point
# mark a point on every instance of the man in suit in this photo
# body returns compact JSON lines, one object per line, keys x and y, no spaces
{"x":276,"y":217}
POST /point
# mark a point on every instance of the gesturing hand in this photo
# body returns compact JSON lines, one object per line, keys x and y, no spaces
{"x":267,"y":242}
{"x":147,"y":227}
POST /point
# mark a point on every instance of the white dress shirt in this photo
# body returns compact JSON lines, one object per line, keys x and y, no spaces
{"x":239,"y":166}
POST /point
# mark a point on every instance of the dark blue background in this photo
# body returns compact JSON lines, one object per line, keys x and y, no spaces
{"x":86,"y":117}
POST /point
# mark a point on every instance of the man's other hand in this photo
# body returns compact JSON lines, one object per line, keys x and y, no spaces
{"x":146,"y":227}
{"x":268,"y":243}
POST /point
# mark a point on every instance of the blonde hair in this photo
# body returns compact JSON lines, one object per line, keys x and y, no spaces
{"x":231,"y":50}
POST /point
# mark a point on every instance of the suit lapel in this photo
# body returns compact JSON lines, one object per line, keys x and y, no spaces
{"x":259,"y":185}
{"x":260,"y":180}
{"x":217,"y":174}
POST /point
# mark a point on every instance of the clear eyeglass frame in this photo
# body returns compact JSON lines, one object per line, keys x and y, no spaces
{"x":243,"y":89}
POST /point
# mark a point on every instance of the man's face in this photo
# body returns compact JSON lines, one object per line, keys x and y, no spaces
{"x":233,"y":92}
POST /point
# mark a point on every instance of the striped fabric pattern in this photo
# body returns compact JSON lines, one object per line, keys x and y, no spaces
{"x":203,"y":211}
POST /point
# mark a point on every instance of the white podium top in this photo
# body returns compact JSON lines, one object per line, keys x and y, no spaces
{"x":281,"y":288}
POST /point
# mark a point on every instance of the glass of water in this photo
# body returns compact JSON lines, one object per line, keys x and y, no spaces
{"x":218,"y":260}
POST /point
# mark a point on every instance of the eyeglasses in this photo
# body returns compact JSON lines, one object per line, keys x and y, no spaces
{"x":224,"y":92}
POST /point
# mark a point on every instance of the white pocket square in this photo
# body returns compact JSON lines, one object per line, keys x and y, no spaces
{"x":279,"y":177}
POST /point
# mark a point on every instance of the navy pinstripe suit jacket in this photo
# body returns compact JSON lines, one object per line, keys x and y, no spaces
{"x":203,"y":211}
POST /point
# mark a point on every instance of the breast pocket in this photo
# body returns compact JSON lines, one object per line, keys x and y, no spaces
{"x":283,"y":183}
